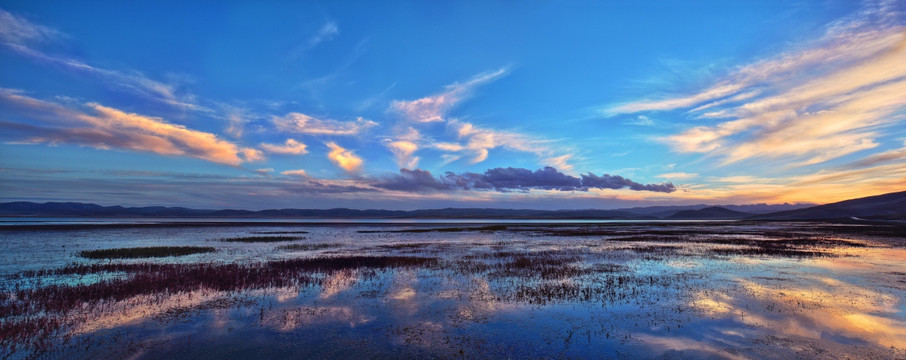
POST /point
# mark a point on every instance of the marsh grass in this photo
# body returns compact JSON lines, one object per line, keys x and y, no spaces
{"x":307,"y":247}
{"x":449,"y":229}
{"x":145,"y":252}
{"x":282,"y":232}
{"x":262,"y":239}
{"x":607,"y":268}
{"x":33,"y":316}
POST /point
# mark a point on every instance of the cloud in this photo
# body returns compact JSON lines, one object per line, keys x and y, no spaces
{"x":682,"y":102}
{"x":24,"y":38}
{"x":606,"y":181}
{"x":479,"y":141}
{"x":434,"y":108}
{"x":304,"y":124}
{"x":326,"y":33}
{"x":104,"y":127}
{"x":17,"y":30}
{"x":133,"y":82}
{"x":475,"y":141}
{"x":404,"y":152}
{"x":345,"y":159}
{"x":447,"y":146}
{"x":404,"y":146}
{"x":828,"y":99}
{"x":509,"y":180}
{"x":448,"y":158}
{"x":848,"y":41}
{"x":290,"y":147}
{"x":677,"y":175}
{"x":559,"y":162}
{"x":298,"y":172}
{"x":264,"y":171}
{"x":641,"y":120}
{"x":236,"y":121}
{"x":413,"y":181}
{"x":879,"y":158}
{"x":252,"y":154}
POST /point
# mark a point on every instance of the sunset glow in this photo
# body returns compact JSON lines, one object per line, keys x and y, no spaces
{"x":407,"y":106}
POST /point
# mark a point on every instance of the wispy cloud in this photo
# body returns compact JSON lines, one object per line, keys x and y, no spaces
{"x":18,"y":30}
{"x":677,"y":175}
{"x":471,"y":141}
{"x":104,"y":127}
{"x":850,"y":40}
{"x":404,"y":146}
{"x":304,"y":124}
{"x":297,"y":172}
{"x":674,"y":103}
{"x":804,"y":107}
{"x":478,"y":141}
{"x":251,"y":154}
{"x":345,"y":159}
{"x":434,"y":108}
{"x":264,"y":171}
{"x":559,"y":162}
{"x":404,"y":152}
{"x":327,"y":32}
{"x":26,"y":38}
{"x":290,"y":147}
{"x":641,"y":120}
{"x":236,"y":121}
{"x":876,"y":159}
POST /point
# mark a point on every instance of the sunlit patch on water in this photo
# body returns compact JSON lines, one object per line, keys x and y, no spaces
{"x":620,"y":291}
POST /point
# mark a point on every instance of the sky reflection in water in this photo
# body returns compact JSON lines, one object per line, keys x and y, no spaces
{"x":692,"y":290}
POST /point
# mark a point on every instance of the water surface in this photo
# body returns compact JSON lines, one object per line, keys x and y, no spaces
{"x":504,"y":289}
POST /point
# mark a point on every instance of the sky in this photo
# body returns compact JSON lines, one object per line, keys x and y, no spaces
{"x":428,"y":104}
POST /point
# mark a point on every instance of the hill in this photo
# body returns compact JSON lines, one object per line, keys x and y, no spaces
{"x":890,"y":206}
{"x":881,"y":207}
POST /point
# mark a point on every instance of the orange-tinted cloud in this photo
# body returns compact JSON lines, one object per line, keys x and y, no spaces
{"x":404,"y":152}
{"x":290,"y":147}
{"x":798,"y":115}
{"x":104,"y":127}
{"x":345,"y":159}
{"x":298,"y":172}
{"x":822,"y":101}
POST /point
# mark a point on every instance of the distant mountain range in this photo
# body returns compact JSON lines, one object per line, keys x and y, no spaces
{"x":882,"y":207}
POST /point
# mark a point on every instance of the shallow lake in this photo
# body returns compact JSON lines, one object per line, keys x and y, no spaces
{"x":426,"y":290}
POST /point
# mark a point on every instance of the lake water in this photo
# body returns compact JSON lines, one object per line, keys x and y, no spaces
{"x":454,"y":290}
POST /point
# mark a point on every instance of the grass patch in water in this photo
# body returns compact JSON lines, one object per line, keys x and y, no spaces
{"x":262,"y":239}
{"x":451,"y":229}
{"x":307,"y":247}
{"x":145,"y":252}
{"x":283,"y":232}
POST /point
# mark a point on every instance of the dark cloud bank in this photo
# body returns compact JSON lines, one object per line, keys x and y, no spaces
{"x":511,"y":179}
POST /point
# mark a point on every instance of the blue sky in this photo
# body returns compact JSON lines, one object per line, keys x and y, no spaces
{"x":430,"y":104}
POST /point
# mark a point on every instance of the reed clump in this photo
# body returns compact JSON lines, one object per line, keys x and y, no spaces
{"x":262,"y":239}
{"x":307,"y":247}
{"x":145,"y":252}
{"x":31,"y":315}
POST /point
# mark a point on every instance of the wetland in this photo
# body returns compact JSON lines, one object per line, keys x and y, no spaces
{"x":733,"y":290}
